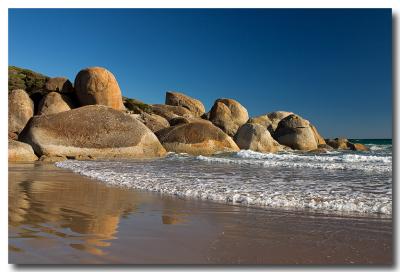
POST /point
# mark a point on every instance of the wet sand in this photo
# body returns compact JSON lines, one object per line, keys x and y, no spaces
{"x":58,"y":217}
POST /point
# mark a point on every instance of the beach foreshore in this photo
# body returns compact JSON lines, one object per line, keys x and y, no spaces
{"x":58,"y":217}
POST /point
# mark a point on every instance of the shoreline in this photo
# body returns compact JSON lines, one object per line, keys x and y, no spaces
{"x":57,"y":216}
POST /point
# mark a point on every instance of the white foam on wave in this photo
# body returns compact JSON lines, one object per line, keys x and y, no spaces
{"x":193,"y":177}
{"x":332,"y":161}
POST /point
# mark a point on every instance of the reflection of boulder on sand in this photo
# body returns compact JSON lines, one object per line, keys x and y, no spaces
{"x":85,"y":207}
{"x":173,"y":219}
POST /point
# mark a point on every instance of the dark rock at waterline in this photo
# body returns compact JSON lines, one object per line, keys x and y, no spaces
{"x":20,"y":152}
{"x":257,"y":138}
{"x":345,"y":144}
{"x":295,"y":132}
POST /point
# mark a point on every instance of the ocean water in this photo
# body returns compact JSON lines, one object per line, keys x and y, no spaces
{"x":338,"y":182}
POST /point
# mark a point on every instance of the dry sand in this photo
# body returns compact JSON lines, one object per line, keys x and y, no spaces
{"x":57,"y":217}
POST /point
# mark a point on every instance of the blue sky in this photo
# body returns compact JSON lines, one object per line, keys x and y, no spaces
{"x":332,"y":66}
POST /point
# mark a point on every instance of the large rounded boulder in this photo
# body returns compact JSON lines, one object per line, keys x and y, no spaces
{"x":98,"y":86}
{"x":295,"y":132}
{"x":179,"y":99}
{"x":228,"y":115}
{"x":196,"y":138}
{"x":20,"y":110}
{"x":54,"y":103}
{"x":96,"y":131}
{"x":257,"y":138}
{"x":20,"y":152}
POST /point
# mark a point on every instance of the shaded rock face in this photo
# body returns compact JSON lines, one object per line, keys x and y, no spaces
{"x":257,"y":138}
{"x":197,"y":138}
{"x":20,"y":152}
{"x":228,"y":115}
{"x":98,"y":86}
{"x":20,"y":110}
{"x":59,"y":84}
{"x":169,"y":112}
{"x":54,"y":103}
{"x":186,"y":120}
{"x":271,"y":120}
{"x":96,"y":130}
{"x":320,"y":140}
{"x":295,"y":132}
{"x":178,"y":99}
{"x":345,"y":144}
{"x":153,"y":121}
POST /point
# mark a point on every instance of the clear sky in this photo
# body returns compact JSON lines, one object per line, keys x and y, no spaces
{"x":333,"y":67}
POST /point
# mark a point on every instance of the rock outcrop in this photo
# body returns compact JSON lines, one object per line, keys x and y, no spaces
{"x":345,"y":144}
{"x":320,"y":140}
{"x":59,"y":84}
{"x":20,"y":152}
{"x":295,"y":132}
{"x":153,"y":121}
{"x":271,"y":120}
{"x":196,"y":138}
{"x":54,"y":103}
{"x":228,"y":115}
{"x":169,"y":112}
{"x":257,"y":138}
{"x":20,"y":110}
{"x":96,"y":130}
{"x":98,"y":86}
{"x":179,"y":99}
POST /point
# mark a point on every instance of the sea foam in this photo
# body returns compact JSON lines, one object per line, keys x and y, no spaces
{"x":337,"y":182}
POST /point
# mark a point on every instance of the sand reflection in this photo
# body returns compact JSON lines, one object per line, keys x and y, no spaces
{"x":48,"y":204}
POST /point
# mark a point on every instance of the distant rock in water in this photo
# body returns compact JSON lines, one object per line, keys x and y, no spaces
{"x":196,"y":138}
{"x":296,"y":132}
{"x":20,"y":152}
{"x":228,"y":115}
{"x":98,"y":86}
{"x":20,"y":110}
{"x":179,"y":99}
{"x":54,"y":103}
{"x":345,"y":144}
{"x":257,"y":138}
{"x":97,"y":131}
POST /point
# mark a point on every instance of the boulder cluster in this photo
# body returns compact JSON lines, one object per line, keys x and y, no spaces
{"x":53,"y":120}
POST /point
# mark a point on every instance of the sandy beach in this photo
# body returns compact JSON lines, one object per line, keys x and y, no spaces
{"x":58,"y":217}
